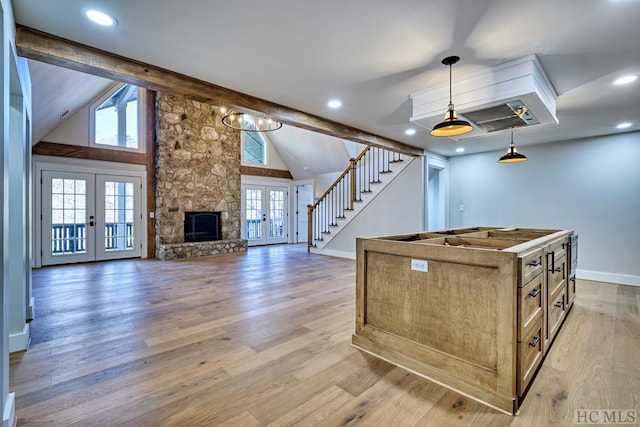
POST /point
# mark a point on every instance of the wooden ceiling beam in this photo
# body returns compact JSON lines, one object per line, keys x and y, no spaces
{"x":65,"y":53}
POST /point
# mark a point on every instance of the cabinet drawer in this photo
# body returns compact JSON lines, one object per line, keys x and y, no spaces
{"x":556,"y":272}
{"x":557,"y":309}
{"x":558,"y":247}
{"x":531,"y":265}
{"x":530,"y":305}
{"x":529,"y":356}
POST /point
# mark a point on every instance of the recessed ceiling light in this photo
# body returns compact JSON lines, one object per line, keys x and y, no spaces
{"x":334,"y":103}
{"x":625,"y":79}
{"x":100,"y":18}
{"x":460,"y":150}
{"x":624,"y":125}
{"x":410,"y":132}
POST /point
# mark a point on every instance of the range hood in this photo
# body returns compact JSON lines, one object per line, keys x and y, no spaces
{"x":512,"y":95}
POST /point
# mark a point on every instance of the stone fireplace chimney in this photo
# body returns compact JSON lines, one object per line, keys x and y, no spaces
{"x":197,"y":169}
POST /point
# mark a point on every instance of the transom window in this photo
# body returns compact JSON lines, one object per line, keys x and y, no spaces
{"x":116,"y":119}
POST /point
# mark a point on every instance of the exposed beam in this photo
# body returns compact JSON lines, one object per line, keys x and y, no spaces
{"x":54,"y":50}
{"x":92,"y":153}
{"x":271,"y":173}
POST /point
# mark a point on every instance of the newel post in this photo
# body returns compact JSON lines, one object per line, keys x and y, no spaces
{"x":352,"y":182}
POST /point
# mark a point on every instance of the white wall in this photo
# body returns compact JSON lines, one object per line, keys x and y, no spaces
{"x":274,"y":160}
{"x":591,"y":186}
{"x":398,"y":208}
{"x":15,"y":106}
{"x":322,"y":182}
{"x":73,"y":131}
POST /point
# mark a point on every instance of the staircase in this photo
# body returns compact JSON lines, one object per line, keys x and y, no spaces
{"x":350,"y":193}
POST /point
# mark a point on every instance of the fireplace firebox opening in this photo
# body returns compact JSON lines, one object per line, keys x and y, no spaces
{"x":202,"y":226}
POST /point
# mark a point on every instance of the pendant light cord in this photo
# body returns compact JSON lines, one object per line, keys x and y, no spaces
{"x":450,"y":95}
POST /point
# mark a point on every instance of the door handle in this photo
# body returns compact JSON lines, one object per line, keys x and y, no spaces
{"x":91,"y":222}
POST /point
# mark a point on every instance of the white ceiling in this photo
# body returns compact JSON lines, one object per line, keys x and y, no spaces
{"x":373,"y":53}
{"x":58,"y":93}
{"x":309,"y":154}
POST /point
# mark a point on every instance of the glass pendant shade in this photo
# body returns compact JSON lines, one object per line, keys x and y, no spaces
{"x":451,"y":125}
{"x":249,"y":122}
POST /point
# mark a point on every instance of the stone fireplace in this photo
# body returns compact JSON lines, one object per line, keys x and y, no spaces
{"x":197,"y":170}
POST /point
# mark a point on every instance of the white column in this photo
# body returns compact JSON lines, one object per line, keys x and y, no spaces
{"x":18,"y":326}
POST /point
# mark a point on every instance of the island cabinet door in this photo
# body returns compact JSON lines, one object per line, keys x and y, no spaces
{"x":530,"y":305}
{"x":556,"y":280}
{"x":529,"y":356}
{"x":557,"y":309}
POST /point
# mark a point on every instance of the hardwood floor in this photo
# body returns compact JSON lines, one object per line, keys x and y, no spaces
{"x":264,"y":339}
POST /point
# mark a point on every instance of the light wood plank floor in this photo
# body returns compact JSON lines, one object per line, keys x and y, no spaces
{"x":264,"y":339}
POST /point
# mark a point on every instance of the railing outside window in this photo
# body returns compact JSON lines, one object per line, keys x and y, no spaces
{"x":71,"y":238}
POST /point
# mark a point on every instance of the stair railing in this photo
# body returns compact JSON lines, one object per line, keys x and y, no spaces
{"x":340,"y":197}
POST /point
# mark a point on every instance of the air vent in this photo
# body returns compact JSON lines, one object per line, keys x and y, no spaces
{"x":511,"y":115}
{"x":514,"y":94}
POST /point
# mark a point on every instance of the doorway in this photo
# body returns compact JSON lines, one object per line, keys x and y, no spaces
{"x":264,"y":214}
{"x":89,"y":217}
{"x":437,"y":193}
{"x":304,"y":197}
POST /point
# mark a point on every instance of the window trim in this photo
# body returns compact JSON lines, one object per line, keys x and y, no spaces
{"x":142,"y":113}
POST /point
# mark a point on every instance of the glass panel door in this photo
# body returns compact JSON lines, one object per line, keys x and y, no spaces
{"x":89,"y":217}
{"x":264,"y":211}
{"x":277,"y":217}
{"x":253,"y":228}
{"x":117,"y":217}
{"x":67,"y":217}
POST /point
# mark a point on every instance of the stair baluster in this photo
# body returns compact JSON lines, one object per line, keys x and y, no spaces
{"x":346,"y":190}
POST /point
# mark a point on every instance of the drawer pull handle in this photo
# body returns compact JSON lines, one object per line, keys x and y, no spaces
{"x":559,"y":304}
{"x":535,"y":341}
{"x":557,"y":269}
{"x":534,"y":293}
{"x":535,"y":263}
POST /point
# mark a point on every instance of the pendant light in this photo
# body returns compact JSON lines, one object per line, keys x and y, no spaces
{"x":512,"y":155}
{"x":451,"y":125}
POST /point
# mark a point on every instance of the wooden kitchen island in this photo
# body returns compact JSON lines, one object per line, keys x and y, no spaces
{"x":474,"y":309}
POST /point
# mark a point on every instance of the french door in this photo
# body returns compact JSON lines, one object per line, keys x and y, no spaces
{"x":89,"y":217}
{"x":264,"y":214}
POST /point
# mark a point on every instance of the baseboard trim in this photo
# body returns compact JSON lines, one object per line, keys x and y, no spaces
{"x":334,"y":253}
{"x":599,"y":276}
{"x":19,"y":341}
{"x":9,"y":415}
